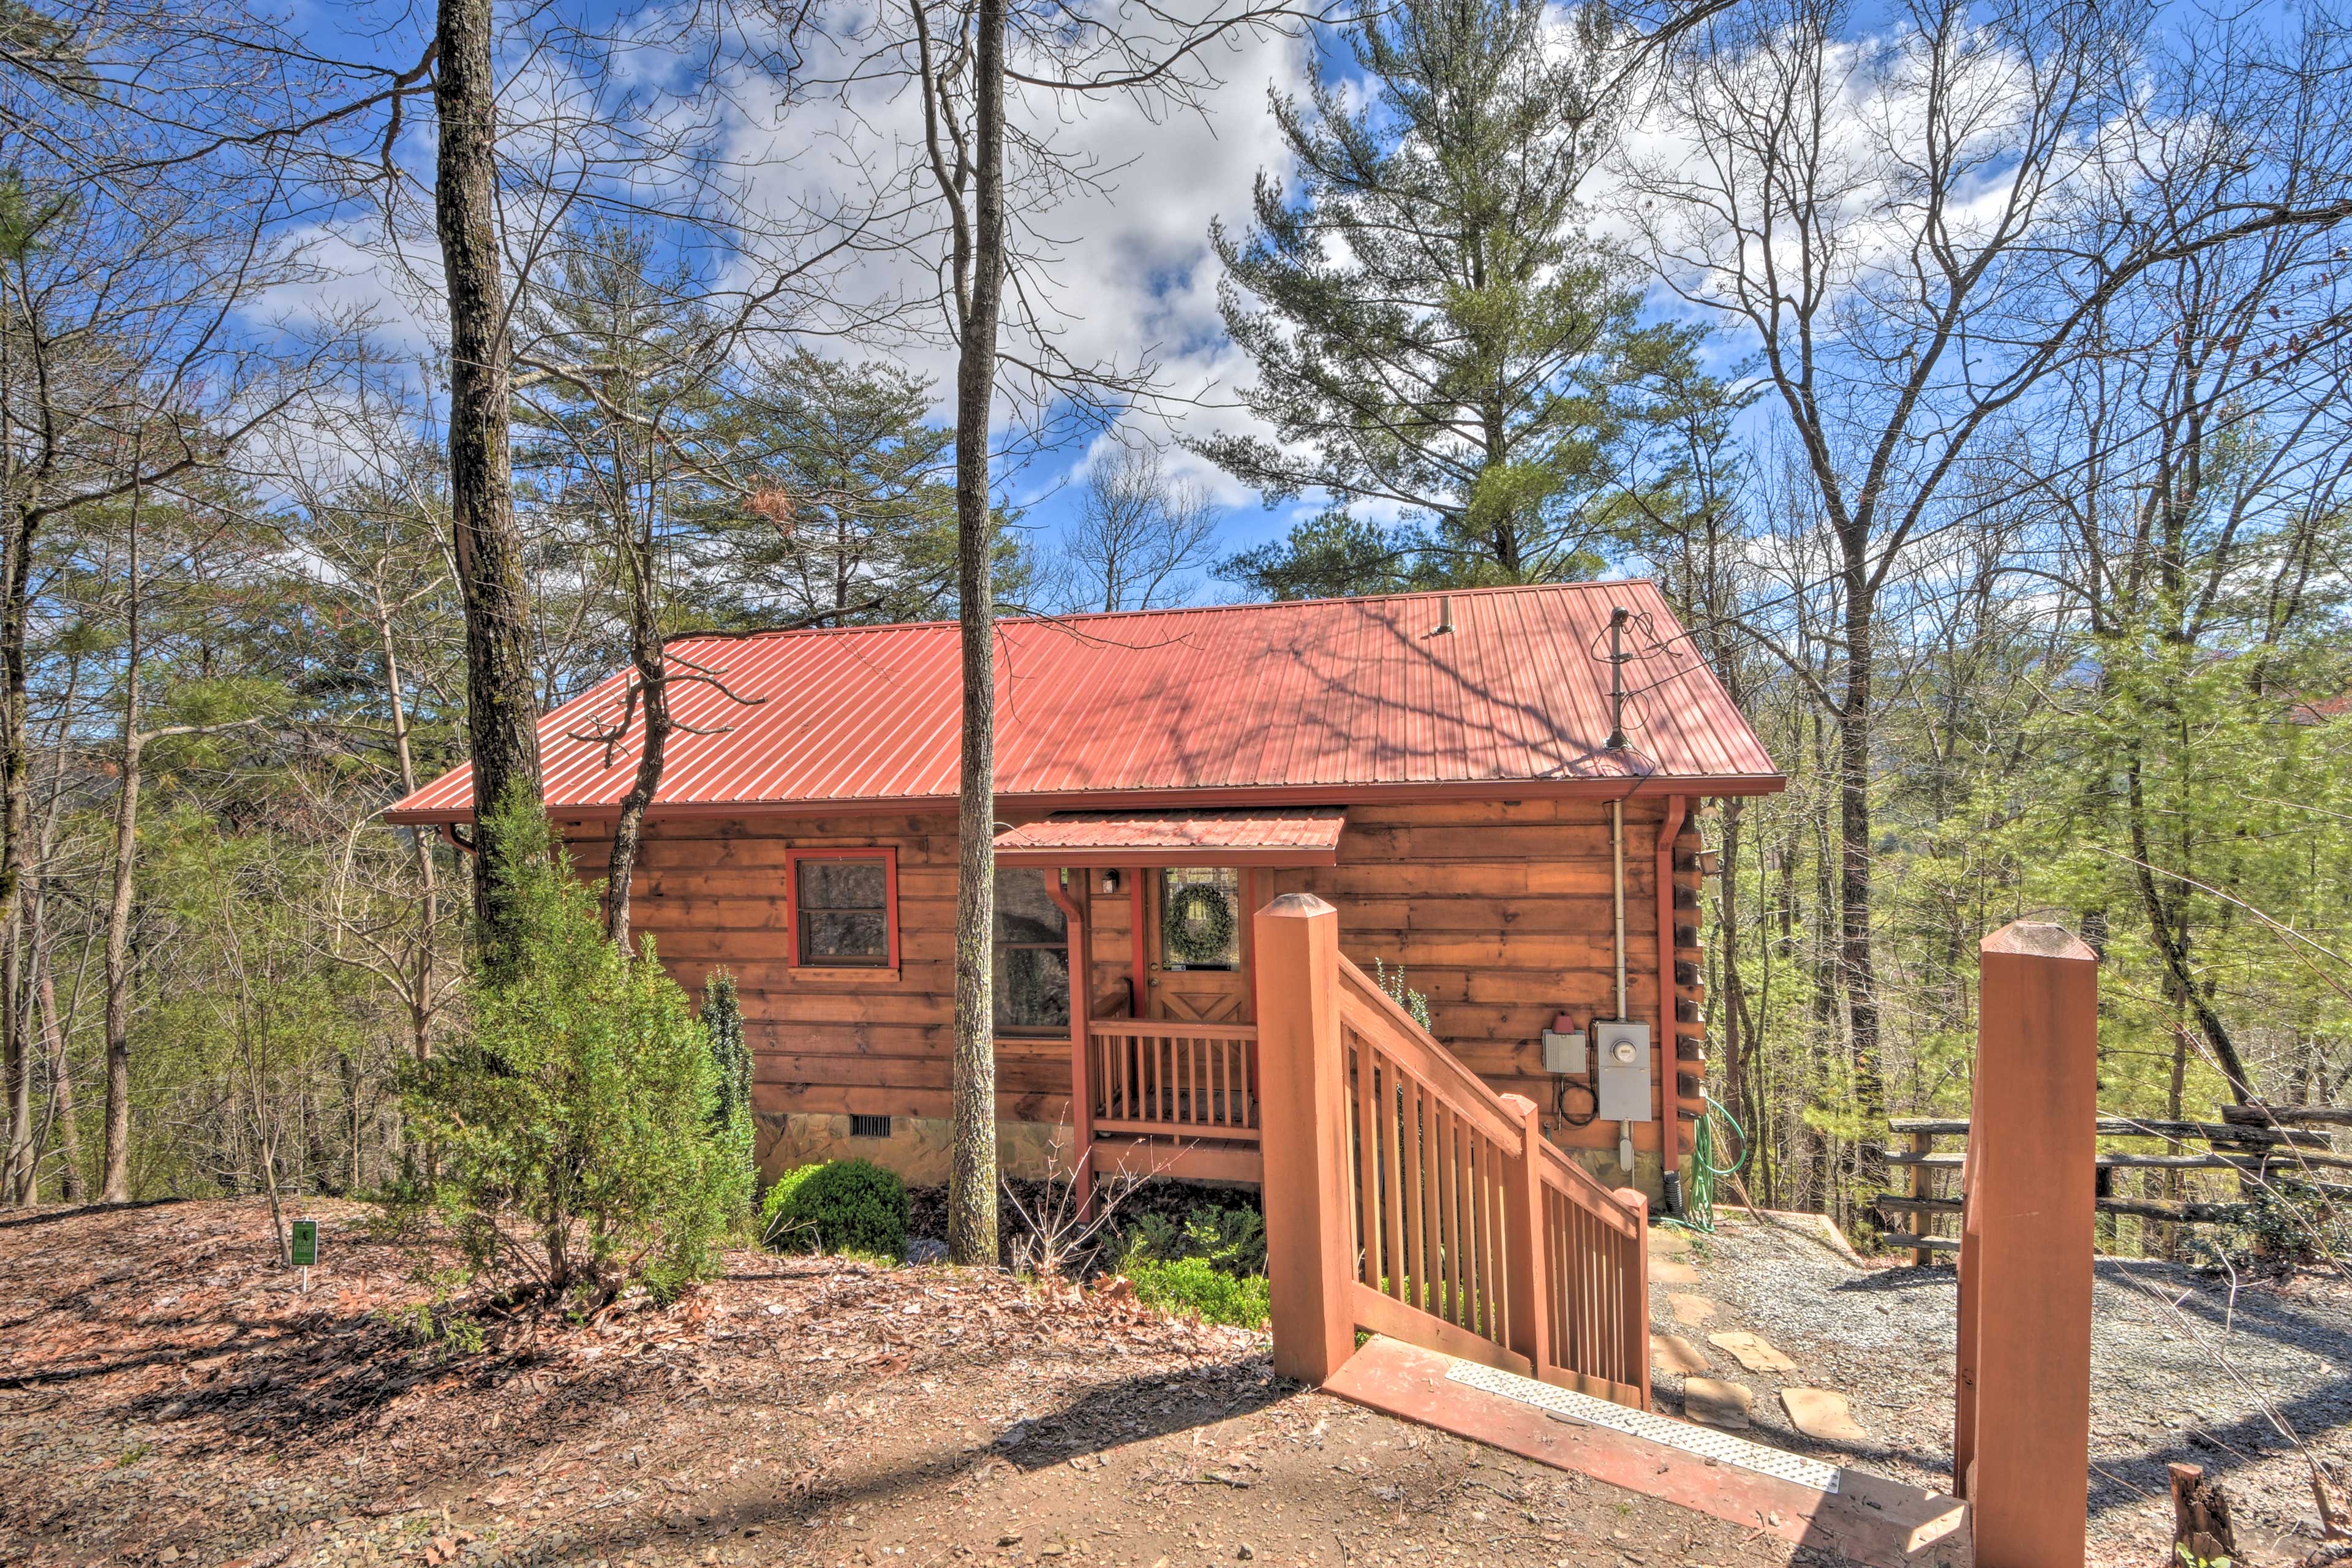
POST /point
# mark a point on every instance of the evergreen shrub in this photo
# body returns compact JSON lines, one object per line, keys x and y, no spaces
{"x":841,"y":1206}
{"x":572,"y":1139}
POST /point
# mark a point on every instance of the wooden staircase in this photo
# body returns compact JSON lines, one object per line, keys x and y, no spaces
{"x":1406,"y":1198}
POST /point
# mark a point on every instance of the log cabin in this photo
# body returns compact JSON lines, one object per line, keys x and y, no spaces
{"x":1500,"y":790}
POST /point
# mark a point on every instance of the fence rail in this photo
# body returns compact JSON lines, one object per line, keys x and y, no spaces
{"x":2257,"y":1142}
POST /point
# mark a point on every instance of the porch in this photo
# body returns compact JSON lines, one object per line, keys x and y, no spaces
{"x":1164,"y":1035}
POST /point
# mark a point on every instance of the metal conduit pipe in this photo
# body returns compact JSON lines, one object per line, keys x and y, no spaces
{"x":1617,"y":889}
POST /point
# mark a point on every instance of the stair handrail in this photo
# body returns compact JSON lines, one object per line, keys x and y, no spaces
{"x":1372,"y":1224}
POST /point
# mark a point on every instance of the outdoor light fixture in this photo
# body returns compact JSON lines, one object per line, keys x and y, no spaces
{"x":1110,"y":882}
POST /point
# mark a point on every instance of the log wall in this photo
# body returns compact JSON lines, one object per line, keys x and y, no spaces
{"x":1498,"y":912}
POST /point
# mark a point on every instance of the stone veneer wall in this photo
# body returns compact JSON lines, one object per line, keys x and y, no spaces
{"x":917,"y":1148}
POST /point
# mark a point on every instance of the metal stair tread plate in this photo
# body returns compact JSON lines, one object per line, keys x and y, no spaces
{"x":1704,"y":1442}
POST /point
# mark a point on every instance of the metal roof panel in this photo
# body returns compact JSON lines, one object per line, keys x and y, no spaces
{"x":1320,"y":694}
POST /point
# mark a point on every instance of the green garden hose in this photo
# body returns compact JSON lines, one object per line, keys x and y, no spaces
{"x":1698,"y":1201}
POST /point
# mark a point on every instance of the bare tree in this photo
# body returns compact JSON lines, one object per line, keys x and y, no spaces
{"x":1140,"y":534}
{"x":1916,"y":225}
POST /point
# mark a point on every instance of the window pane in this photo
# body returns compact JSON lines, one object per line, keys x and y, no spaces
{"x":839,"y":936}
{"x":1200,"y":919}
{"x":1033,"y":987}
{"x":830,"y":884}
{"x":1025,"y":911}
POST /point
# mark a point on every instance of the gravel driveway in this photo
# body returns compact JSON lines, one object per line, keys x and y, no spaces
{"x":2181,"y":1368}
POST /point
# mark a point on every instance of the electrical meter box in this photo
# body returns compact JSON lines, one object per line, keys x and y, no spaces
{"x":1624,"y":1050}
{"x":1563,"y":1051}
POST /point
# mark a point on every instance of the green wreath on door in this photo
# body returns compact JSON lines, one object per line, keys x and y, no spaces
{"x":1198,"y":924}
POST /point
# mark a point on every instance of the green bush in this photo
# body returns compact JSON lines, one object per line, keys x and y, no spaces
{"x":569,"y":1137}
{"x":1231,"y":1239}
{"x":1197,"y":1287}
{"x":1210,"y":1265}
{"x":842,"y":1206}
{"x":2289,"y":1224}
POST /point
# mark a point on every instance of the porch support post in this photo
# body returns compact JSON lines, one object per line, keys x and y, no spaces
{"x":1082,"y":1089}
{"x":2022,"y":1432}
{"x":1138,"y":982}
{"x":1303,"y":1104}
{"x":1526,"y":1276}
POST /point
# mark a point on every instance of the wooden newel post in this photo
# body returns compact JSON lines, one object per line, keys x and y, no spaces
{"x":1303,"y":1114}
{"x":1635,"y":1326}
{"x":1528,"y":1276}
{"x":2021,"y":1435}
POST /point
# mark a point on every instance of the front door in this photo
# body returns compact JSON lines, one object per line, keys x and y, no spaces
{"x":1197,"y":946}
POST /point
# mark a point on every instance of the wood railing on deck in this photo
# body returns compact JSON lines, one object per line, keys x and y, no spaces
{"x":1167,"y":1078}
{"x":1406,"y":1197}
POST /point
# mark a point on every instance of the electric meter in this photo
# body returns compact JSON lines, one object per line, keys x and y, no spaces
{"x":1625,"y":1088}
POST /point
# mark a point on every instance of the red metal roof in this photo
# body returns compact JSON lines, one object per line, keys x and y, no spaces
{"x":1307,"y":836}
{"x":1231,"y":705}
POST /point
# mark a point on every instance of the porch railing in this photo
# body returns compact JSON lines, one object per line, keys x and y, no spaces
{"x":1167,"y":1077}
{"x":1406,"y":1197}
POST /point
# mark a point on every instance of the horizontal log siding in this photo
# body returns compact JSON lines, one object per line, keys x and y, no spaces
{"x":1500,"y":914}
{"x":710,"y":891}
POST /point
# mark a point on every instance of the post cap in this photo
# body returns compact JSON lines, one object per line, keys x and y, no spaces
{"x":2038,"y":939}
{"x":1297,"y":906}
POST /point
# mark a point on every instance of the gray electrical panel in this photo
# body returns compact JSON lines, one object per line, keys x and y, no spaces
{"x":1563,"y":1053}
{"x":1624,"y":1050}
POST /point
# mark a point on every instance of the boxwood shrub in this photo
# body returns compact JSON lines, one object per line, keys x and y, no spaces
{"x":841,"y":1206}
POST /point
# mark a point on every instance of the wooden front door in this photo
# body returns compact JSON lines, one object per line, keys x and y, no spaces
{"x":1197,"y":944}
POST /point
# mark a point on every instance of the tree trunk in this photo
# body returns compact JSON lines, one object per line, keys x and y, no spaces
{"x":971,"y":1173}
{"x":114,"y":1175}
{"x":428,"y":880}
{"x":1857,"y":965}
{"x":15,"y":825}
{"x":653,"y":695}
{"x":1734,"y":1005}
{"x":501,"y":710}
{"x":24,"y":1149}
{"x":70,"y":1186}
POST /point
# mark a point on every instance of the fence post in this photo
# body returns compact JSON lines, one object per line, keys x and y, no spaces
{"x":1636,"y":1325}
{"x":1527,"y":1280}
{"x":1303,"y":1111}
{"x":1923,"y":1185}
{"x":2022,"y":1427}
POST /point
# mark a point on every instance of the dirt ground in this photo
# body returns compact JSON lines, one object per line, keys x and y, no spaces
{"x":169,"y":1397}
{"x":2184,"y":1366}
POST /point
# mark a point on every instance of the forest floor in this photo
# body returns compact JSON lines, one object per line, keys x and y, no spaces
{"x":2182,"y":1368}
{"x":169,"y":1395}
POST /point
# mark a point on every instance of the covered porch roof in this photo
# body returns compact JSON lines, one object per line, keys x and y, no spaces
{"x":1306,"y":836}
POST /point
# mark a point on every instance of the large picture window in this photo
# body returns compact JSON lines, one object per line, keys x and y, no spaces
{"x":845,"y":909}
{"x":1032,"y":955}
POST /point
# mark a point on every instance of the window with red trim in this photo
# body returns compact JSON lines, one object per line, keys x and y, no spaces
{"x":844,"y":906}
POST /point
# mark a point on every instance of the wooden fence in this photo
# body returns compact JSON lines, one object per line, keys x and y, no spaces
{"x":1405,"y":1197}
{"x":2259,"y":1142}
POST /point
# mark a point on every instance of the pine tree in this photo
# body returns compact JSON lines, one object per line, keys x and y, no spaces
{"x":723,"y":1020}
{"x":1432,"y":332}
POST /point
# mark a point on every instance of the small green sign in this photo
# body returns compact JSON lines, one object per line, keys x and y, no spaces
{"x":306,"y":1243}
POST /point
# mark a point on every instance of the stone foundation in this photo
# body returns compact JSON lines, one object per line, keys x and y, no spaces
{"x":917,"y":1148}
{"x":1031,"y":1150}
{"x":1646,"y":1177}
